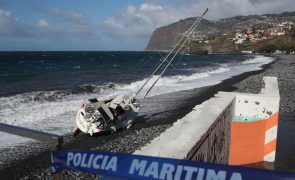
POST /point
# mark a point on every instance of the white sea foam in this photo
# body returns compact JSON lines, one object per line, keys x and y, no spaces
{"x":196,"y":80}
{"x":258,"y":60}
{"x":54,"y":117}
{"x":58,"y":116}
{"x":220,"y":70}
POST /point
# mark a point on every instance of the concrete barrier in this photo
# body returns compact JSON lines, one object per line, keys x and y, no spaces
{"x":230,"y":128}
{"x":254,"y":125}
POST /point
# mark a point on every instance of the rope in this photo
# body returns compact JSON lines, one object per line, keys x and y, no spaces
{"x":189,"y":32}
{"x":173,"y":49}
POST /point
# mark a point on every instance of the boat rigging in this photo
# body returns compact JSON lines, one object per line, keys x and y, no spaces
{"x":96,"y":116}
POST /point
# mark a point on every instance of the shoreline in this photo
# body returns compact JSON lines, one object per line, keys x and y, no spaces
{"x":82,"y":87}
{"x":155,"y":121}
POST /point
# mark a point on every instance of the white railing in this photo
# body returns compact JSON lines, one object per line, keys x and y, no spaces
{"x":55,"y":141}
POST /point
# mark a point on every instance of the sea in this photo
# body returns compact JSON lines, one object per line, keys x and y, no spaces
{"x":44,"y":90}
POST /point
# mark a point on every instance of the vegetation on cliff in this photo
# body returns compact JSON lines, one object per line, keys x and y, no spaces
{"x":262,"y":34}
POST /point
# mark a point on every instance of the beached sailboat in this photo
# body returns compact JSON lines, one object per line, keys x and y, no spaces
{"x":110,"y":115}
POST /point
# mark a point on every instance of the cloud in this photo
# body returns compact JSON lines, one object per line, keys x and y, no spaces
{"x":137,"y":22}
{"x":44,"y":30}
{"x":150,"y":7}
{"x":10,"y":25}
{"x":227,"y":8}
{"x":65,"y":23}
{"x":62,"y":16}
{"x":42,"y":23}
{"x":143,"y":20}
{"x":69,"y":16}
{"x":133,"y":24}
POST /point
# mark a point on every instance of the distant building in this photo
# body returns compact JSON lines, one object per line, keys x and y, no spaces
{"x":265,"y":34}
{"x":247,"y":52}
{"x":278,"y":52}
{"x":273,"y":31}
{"x":239,"y":41}
{"x":254,"y":35}
{"x":281,"y":33}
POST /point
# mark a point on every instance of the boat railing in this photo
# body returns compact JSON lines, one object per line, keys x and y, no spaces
{"x":55,"y":141}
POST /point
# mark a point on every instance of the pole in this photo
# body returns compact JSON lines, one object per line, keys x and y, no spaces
{"x":173,"y":49}
{"x":189,"y":33}
{"x":58,"y":175}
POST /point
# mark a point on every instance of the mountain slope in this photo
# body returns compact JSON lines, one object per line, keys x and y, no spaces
{"x":164,"y":38}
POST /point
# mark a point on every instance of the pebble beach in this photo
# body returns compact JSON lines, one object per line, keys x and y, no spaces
{"x":32,"y":161}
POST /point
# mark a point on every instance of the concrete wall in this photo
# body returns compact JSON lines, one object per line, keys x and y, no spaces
{"x":231,"y":128}
{"x":213,"y":146}
{"x":197,"y":135}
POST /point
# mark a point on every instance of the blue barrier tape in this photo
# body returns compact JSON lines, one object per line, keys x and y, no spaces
{"x":130,"y":166}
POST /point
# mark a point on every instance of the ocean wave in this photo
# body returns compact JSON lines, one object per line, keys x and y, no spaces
{"x":260,"y":59}
{"x":199,"y":79}
{"x":172,"y":83}
{"x":53,"y":117}
{"x":90,"y":88}
{"x":54,"y":111}
{"x":41,"y":96}
{"x":168,"y":83}
{"x":51,"y":96}
{"x":49,"y":67}
{"x":219,"y":70}
{"x":57,"y":95}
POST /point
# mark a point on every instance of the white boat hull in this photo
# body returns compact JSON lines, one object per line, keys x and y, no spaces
{"x":106,"y":116}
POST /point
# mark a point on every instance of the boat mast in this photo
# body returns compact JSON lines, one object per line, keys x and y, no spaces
{"x":185,"y":37}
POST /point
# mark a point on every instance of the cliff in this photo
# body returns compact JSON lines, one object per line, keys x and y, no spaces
{"x":217,"y":33}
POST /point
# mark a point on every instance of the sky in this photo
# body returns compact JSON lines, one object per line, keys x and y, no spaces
{"x":102,"y":25}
